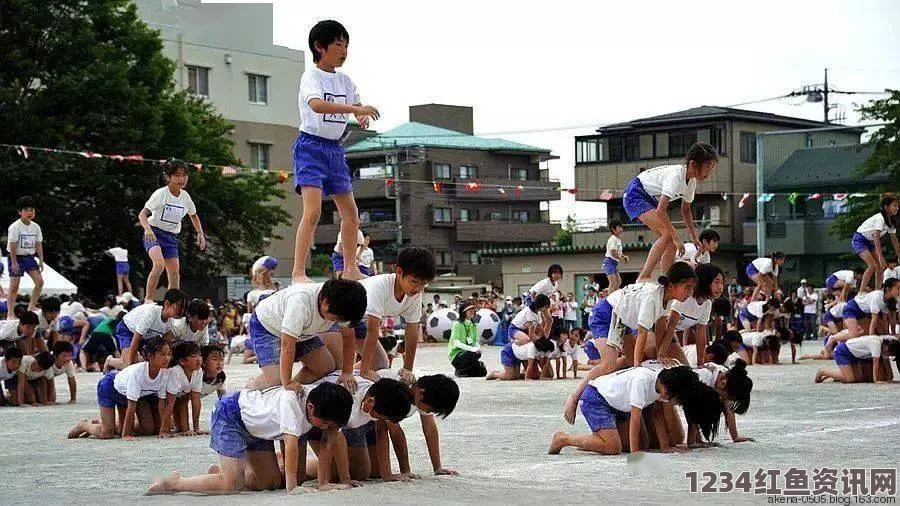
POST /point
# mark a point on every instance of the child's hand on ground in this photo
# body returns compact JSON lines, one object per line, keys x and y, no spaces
{"x":352,"y":483}
{"x":395,"y":477}
{"x":129,"y":438}
{"x":445,"y":472}
{"x":328,"y":487}
{"x":411,"y":476}
{"x":744,"y":439}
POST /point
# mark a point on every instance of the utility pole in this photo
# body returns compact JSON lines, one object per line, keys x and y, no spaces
{"x":825,"y":96}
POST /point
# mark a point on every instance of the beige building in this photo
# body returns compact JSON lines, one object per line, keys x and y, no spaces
{"x":224,"y":53}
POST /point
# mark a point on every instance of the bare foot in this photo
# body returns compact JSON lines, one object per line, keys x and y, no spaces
{"x":300,"y":278}
{"x":353,"y":275}
{"x":556,"y":444}
{"x":820,"y":377}
{"x":164,"y":485}
{"x":78,"y":430}
{"x":214,"y":469}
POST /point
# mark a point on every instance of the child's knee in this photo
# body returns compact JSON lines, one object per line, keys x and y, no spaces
{"x":311,"y":214}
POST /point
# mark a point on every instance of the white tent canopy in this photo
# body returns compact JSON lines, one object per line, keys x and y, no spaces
{"x":54,"y":282}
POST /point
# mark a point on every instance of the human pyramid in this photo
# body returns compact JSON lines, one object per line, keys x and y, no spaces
{"x":653,"y":346}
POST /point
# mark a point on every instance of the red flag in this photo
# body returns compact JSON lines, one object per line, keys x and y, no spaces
{"x":606,"y":195}
{"x":519,"y":190}
{"x":815,"y":196}
{"x":389,"y":181}
{"x":134,"y":158}
{"x":840,"y":196}
{"x":229,"y":171}
{"x":438,"y":186}
{"x":573,"y":191}
{"x":744,"y":200}
{"x":472,"y":187}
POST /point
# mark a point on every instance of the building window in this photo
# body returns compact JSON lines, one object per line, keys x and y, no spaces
{"x":632,"y":147}
{"x":715,"y":215}
{"x":259,"y":88}
{"x":443,"y":258}
{"x":586,"y":150}
{"x":468,"y":172}
{"x":259,"y":156}
{"x":474,"y":258}
{"x":680,"y":141}
{"x":662,"y":145}
{"x":463,"y":215}
{"x":198,"y":81}
{"x":495,"y":217}
{"x":520,"y":174}
{"x":614,"y":151}
{"x":520,"y":216}
{"x":442,"y":171}
{"x":748,"y":147}
{"x":717,"y":138}
{"x":442,"y":215}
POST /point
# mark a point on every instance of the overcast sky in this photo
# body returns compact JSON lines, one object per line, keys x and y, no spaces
{"x":535,"y":65}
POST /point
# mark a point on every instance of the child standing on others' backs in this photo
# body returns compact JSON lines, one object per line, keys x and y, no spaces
{"x":327,"y":98}
{"x":867,"y":240}
{"x":161,"y":219}
{"x":123,"y":268}
{"x":26,"y":254}
{"x":614,"y":255}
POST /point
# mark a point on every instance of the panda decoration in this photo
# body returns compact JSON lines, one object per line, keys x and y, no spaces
{"x":486,"y":321}
{"x":440,"y":324}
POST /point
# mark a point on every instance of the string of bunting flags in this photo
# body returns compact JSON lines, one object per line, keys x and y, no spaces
{"x":473,"y":186}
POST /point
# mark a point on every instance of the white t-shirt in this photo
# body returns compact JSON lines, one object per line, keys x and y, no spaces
{"x":813,"y":306}
{"x":358,"y":417}
{"x":254,"y":295}
{"x":570,"y":309}
{"x":669,"y":180}
{"x":544,"y":286}
{"x":273,"y":412}
{"x":181,"y":329}
{"x":215,"y":386}
{"x":632,"y":387}
{"x":873,"y":224}
{"x":891,"y":273}
{"x":179,"y":384}
{"x":754,"y":339}
{"x":866,"y":346}
{"x":524,"y":316}
{"x":837,"y":310}
{"x":43,"y":323}
{"x":330,"y":87}
{"x":9,"y":330}
{"x":294,"y":311}
{"x":367,"y":257}
{"x":765,"y":266}
{"x":359,"y":240}
{"x":146,"y":320}
{"x":690,"y":256}
{"x":25,"y":368}
{"x":134,"y":382}
{"x":111,"y":312}
{"x":709,"y":373}
{"x":756,"y":308}
{"x":613,"y":244}
{"x":640,"y":304}
{"x":691,"y":312}
{"x":848,"y":277}
{"x":872,"y":302}
{"x":569,"y":349}
{"x":119,"y":254}
{"x":381,"y":302}
{"x":524,"y":352}
{"x":167,"y":210}
{"x":5,"y":373}
{"x":25,"y":237}
{"x":74,"y":310}
{"x":690,"y":353}
{"x":68,"y":369}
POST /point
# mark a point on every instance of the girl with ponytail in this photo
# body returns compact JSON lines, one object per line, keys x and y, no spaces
{"x":693,"y":315}
{"x":734,"y":387}
{"x":764,"y":272}
{"x":866,"y":240}
{"x":621,"y":322}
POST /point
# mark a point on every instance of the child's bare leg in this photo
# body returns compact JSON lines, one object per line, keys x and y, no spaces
{"x":229,"y":480}
{"x":144,"y":414}
{"x":11,"y":295}
{"x":311,"y":211}
{"x":316,"y":364}
{"x":180,"y":414}
{"x":652,"y":220}
{"x":615,"y":281}
{"x":119,"y":283}
{"x":106,"y":429}
{"x":346,"y":207}
{"x":38,"y":286}
{"x":269,"y":376}
{"x":173,"y":273}
{"x":603,"y":441}
{"x":871,"y":270}
{"x":159,"y":265}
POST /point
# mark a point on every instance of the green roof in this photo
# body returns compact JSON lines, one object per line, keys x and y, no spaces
{"x":823,"y":167}
{"x":420,"y":134}
{"x":596,"y":248}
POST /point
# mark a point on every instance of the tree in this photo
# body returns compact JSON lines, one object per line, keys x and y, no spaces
{"x":565,"y":234}
{"x":885,"y":158}
{"x":91,"y":76}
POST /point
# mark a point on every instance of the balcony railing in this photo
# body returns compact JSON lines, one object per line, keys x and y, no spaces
{"x":378,"y":230}
{"x":505,"y":232}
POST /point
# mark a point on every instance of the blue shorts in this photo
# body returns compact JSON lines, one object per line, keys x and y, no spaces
{"x":591,"y":350}
{"x":747,"y":316}
{"x":842,"y":355}
{"x":27,"y":263}
{"x":4,"y":306}
{"x":66,"y":325}
{"x":830,"y":281}
{"x":366,"y":270}
{"x":507,"y":357}
{"x":751,"y":270}
{"x":852,"y":310}
{"x":337,"y":261}
{"x":267,"y":345}
{"x":598,"y":413}
{"x":228,"y":435}
{"x":360,"y":437}
{"x":124,"y":335}
{"x":636,"y":200}
{"x":610,"y":266}
{"x":123,"y":268}
{"x":167,"y":242}
{"x":107,"y":395}
{"x":600,"y":319}
{"x":321,"y":163}
{"x":827,"y":317}
{"x":861,"y":244}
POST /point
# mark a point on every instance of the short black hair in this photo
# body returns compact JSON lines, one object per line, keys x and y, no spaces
{"x":346,"y":299}
{"x":392,"y":399}
{"x":198,"y":309}
{"x":331,"y":402}
{"x":709,"y":235}
{"x":184,"y":350}
{"x":732,"y":336}
{"x":614,"y":224}
{"x":717,"y":353}
{"x":739,"y":385}
{"x":51,"y":305}
{"x":557,"y":332}
{"x":554,"y":268}
{"x":175,"y":296}
{"x":388,"y":342}
{"x":440,"y":392}
{"x":25,"y":203}
{"x":418,"y":262}
{"x":721,"y":307}
{"x":539,"y":302}
{"x":706,"y":274}
{"x":209,"y":349}
{"x":544,"y":345}
{"x":28,"y":318}
{"x":60,"y":347}
{"x":13,"y":353}
{"x":44,"y":359}
{"x":152,"y":346}
{"x":325,"y":33}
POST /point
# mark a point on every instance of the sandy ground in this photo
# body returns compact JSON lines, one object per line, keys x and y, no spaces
{"x":497,"y":439}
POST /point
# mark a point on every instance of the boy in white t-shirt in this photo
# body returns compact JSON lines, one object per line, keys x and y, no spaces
{"x":25,"y":254}
{"x":145,"y":321}
{"x":29,"y":386}
{"x":327,"y":98}
{"x":694,"y":256}
{"x":123,"y":268}
{"x":244,"y":426}
{"x":62,"y":364}
{"x":9,"y":366}
{"x":614,"y":255}
{"x":337,"y":256}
